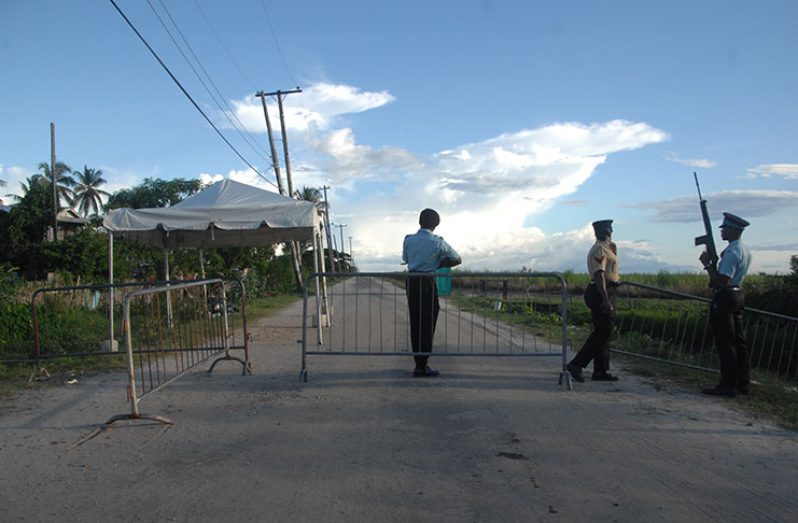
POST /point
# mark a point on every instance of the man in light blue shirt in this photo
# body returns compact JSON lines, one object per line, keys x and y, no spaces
{"x":726,"y":313}
{"x":424,"y":253}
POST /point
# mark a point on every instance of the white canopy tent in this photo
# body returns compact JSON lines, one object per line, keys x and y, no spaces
{"x":227,"y":213}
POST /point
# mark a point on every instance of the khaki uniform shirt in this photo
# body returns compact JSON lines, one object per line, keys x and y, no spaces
{"x":601,"y":258}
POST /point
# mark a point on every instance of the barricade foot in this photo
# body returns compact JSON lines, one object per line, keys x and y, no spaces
{"x":566,"y":376}
{"x":40,"y":374}
{"x":107,"y":425}
{"x":246,"y":365}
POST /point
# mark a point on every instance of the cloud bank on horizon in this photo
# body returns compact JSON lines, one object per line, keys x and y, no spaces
{"x":378,"y":191}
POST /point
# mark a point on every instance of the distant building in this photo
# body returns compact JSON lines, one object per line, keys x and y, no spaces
{"x":69,"y":222}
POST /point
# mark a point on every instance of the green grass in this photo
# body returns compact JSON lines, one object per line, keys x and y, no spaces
{"x":264,"y":307}
{"x":16,"y":377}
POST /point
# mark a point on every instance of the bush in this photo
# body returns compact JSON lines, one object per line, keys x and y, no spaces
{"x":16,"y":330}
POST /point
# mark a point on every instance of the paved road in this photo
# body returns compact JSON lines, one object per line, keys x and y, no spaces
{"x":488,"y":440}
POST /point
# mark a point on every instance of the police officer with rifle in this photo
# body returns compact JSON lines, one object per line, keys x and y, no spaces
{"x":726,"y":276}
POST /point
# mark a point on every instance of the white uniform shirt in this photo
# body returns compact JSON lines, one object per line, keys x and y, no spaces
{"x":734,"y":262}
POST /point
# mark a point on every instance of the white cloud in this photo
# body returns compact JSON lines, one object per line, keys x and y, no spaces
{"x":13,"y":176}
{"x":788,"y":170}
{"x":698,"y":163}
{"x":316,"y":107}
{"x":121,"y":179}
{"x":485,"y":190}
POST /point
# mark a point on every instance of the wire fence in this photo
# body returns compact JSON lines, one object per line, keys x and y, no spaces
{"x":673,"y":327}
{"x":86,"y":320}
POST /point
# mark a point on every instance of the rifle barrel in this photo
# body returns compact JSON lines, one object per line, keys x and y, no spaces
{"x":695,"y":176}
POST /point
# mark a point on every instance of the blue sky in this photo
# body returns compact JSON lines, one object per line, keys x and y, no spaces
{"x":521,"y":122}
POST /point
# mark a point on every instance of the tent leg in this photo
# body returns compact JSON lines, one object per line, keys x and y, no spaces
{"x":318,"y":287}
{"x":111,"y":290}
{"x":169,"y":318}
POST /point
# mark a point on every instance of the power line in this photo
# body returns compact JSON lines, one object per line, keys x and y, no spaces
{"x":183,"y":90}
{"x":221,"y":43}
{"x":277,"y":44}
{"x":250,"y":141}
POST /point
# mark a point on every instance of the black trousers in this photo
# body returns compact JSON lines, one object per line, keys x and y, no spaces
{"x":726,"y":320}
{"x":423,"y":306}
{"x":597,"y":344}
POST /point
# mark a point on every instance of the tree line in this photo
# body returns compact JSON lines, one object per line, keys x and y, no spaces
{"x":82,"y":258}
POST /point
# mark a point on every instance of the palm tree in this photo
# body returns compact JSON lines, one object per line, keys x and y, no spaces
{"x":63,"y":182}
{"x":309,"y":194}
{"x":87,"y":194}
{"x":28,"y":185}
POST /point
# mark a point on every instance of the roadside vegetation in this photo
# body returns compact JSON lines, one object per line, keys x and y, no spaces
{"x":72,"y":323}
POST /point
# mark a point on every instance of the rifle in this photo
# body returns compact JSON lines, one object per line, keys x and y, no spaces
{"x":707,"y":239}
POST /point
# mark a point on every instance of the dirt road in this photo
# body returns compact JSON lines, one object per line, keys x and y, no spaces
{"x":488,"y":440}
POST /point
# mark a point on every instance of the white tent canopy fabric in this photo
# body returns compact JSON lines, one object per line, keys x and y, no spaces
{"x":225,"y":213}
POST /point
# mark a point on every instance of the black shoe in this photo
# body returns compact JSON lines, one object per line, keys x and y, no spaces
{"x":720,"y":391}
{"x":425,"y":372}
{"x":604,"y":376}
{"x":576,"y":372}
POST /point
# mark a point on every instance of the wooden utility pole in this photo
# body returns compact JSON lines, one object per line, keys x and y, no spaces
{"x":295,"y":255}
{"x":275,"y":159}
{"x":285,"y":138}
{"x":328,"y":230}
{"x":53,"y":176}
{"x":343,"y":247}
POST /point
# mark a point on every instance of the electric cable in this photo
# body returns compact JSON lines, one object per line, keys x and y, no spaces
{"x":186,"y":94}
{"x":277,"y":44}
{"x":250,"y":141}
{"x":224,"y":47}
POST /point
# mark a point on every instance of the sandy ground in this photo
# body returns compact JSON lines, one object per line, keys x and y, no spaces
{"x":488,"y":440}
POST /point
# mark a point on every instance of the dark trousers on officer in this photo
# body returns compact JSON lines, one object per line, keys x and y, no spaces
{"x":423,"y":306}
{"x":597,"y":345}
{"x":726,"y":319}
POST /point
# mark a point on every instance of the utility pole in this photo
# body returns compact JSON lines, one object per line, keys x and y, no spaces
{"x":343,"y":247}
{"x":351,"y":254}
{"x":55,"y":187}
{"x":327,"y":230}
{"x":275,"y":159}
{"x":280,"y":94}
{"x":295,"y":254}
{"x":285,"y":138}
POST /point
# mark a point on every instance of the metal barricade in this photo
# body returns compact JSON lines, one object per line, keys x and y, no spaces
{"x":673,"y":327}
{"x":485,"y":314}
{"x":85,"y":321}
{"x":171,"y":329}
